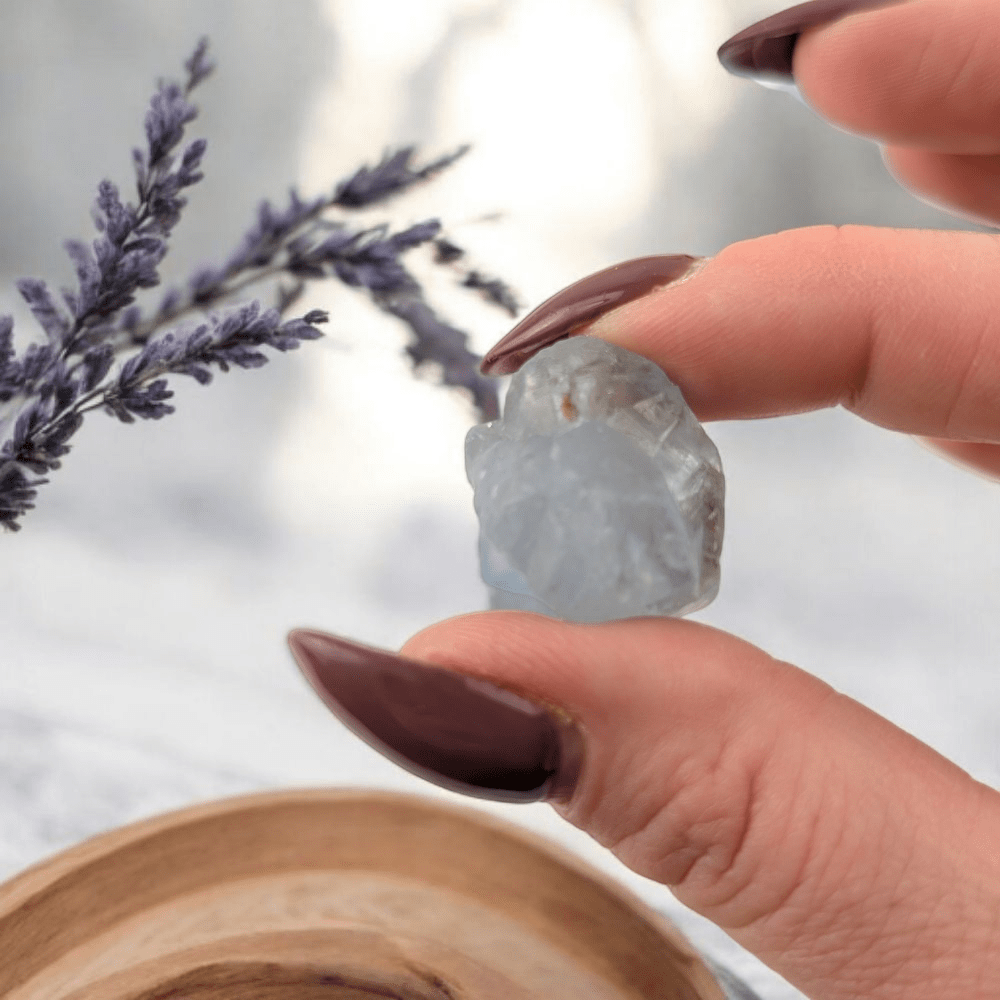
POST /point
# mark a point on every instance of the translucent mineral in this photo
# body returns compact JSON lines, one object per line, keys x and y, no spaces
{"x":599,"y":494}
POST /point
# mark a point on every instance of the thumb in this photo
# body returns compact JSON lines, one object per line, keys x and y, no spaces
{"x":846,"y":854}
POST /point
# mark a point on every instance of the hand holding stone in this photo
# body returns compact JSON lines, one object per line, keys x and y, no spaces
{"x":846,"y":854}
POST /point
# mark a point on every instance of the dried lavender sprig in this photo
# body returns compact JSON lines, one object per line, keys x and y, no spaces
{"x":296,"y":243}
{"x":198,"y":65}
{"x":69,"y":374}
{"x":43,"y":428}
{"x":438,"y":343}
{"x":231,"y":339}
{"x":132,"y":240}
{"x":65,"y":377}
{"x":17,"y":493}
{"x":390,"y":177}
{"x":492,"y":289}
{"x":301,"y":243}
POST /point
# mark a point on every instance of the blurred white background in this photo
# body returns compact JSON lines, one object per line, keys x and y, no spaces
{"x":142,"y":657}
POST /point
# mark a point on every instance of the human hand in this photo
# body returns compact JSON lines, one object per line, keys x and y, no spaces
{"x":847,"y":855}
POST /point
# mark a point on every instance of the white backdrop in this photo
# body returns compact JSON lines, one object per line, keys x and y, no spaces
{"x":146,"y":600}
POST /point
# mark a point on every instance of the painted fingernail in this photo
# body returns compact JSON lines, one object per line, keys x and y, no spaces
{"x":764,"y":50}
{"x":572,"y":309}
{"x":459,"y":732}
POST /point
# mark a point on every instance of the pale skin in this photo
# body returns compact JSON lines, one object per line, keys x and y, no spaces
{"x":850,"y":857}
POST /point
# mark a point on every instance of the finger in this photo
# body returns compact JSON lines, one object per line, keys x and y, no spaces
{"x":983,"y":458}
{"x":901,"y":327}
{"x":921,"y":73}
{"x":964,"y":185}
{"x":847,"y":855}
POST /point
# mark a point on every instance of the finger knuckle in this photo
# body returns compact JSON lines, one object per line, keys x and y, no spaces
{"x":741,"y":826}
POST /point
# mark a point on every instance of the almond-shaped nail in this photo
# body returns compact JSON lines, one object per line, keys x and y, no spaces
{"x":575,"y":307}
{"x":764,"y":50}
{"x":459,"y":732}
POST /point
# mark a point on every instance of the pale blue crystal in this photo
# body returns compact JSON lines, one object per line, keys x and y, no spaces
{"x":599,"y":494}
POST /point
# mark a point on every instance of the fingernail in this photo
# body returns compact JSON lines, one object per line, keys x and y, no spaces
{"x":459,"y":732}
{"x":570,"y":310}
{"x":764,"y":50}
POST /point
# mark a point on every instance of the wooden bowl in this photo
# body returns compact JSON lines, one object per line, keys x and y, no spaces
{"x":316,"y":895}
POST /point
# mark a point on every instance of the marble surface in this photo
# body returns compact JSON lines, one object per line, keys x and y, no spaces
{"x":146,"y":600}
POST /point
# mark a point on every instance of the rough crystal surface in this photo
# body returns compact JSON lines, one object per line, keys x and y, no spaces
{"x":599,"y":494}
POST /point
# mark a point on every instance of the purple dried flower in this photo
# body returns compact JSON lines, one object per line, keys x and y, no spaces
{"x":17,"y":493}
{"x":494,"y":290}
{"x":228,"y":340}
{"x":169,"y":111}
{"x":10,"y":370}
{"x":145,"y":401}
{"x":169,"y":304}
{"x":43,"y":307}
{"x":96,"y":364}
{"x":446,"y":252}
{"x":21,"y":376}
{"x":443,"y":345}
{"x":422,"y":232}
{"x":110,"y":215}
{"x":198,"y":65}
{"x":88,"y":274}
{"x":54,"y":384}
{"x":188,"y":173}
{"x":390,"y":176}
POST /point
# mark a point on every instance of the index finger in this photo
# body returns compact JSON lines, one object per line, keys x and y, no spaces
{"x":920,"y":72}
{"x":901,"y":327}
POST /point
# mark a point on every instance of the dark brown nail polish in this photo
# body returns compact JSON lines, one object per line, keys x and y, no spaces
{"x":764,"y":50}
{"x":464,"y":734}
{"x":570,"y":310}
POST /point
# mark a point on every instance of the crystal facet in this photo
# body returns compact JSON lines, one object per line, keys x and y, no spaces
{"x":599,"y":494}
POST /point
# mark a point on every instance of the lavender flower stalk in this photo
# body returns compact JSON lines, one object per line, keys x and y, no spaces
{"x":45,"y":392}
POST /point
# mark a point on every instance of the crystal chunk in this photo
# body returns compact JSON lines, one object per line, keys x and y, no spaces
{"x":599,"y":494}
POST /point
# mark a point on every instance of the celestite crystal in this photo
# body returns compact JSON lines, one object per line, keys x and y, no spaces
{"x":599,"y":494}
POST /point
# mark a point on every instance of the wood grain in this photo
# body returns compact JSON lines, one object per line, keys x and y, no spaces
{"x":333,"y":894}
